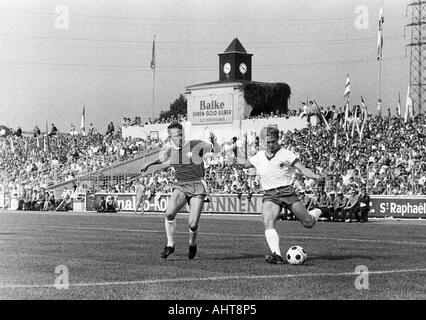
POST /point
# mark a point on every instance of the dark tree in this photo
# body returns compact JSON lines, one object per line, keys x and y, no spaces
{"x":177,"y":108}
{"x":267,"y":97}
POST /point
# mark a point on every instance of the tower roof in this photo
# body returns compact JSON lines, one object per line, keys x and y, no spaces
{"x":235,"y":46}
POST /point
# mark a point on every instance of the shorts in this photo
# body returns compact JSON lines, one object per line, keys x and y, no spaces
{"x":282,"y":196}
{"x":191,"y":189}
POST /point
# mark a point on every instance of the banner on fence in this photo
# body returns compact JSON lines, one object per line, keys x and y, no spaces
{"x":381,"y":206}
{"x":398,"y":206}
{"x":158,"y":203}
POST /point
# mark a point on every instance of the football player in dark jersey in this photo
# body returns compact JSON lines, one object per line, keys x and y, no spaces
{"x":187,"y":160}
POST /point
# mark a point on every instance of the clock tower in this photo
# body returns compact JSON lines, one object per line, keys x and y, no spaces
{"x":235,"y":63}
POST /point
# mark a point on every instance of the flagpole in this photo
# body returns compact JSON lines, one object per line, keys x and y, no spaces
{"x":153,"y":93}
{"x":153,"y":66}
{"x":380,"y":55}
{"x":398,"y":108}
{"x":346,"y":118}
{"x":380,"y":80}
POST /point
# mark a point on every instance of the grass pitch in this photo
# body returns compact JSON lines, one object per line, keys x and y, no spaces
{"x":117,"y":257}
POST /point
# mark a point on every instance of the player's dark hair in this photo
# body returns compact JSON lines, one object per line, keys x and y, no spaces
{"x":175,"y":125}
{"x":273,"y":131}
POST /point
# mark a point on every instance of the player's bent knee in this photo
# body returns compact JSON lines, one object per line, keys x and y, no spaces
{"x":308,"y":222}
{"x":268,"y":222}
{"x":309,"y":225}
{"x":193,"y":228}
{"x":170,"y":216}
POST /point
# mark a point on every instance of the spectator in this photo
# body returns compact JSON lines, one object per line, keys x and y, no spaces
{"x":53,"y":130}
{"x":331,"y":205}
{"x":21,"y":200}
{"x":40,"y":200}
{"x":352,"y":207}
{"x":110,"y":129}
{"x":110,"y":204}
{"x":340,"y":204}
{"x":102,"y":205}
{"x":36,"y":131}
{"x":91,"y":129}
{"x":66,"y":201}
{"x":364,"y":203}
{"x":18,"y":132}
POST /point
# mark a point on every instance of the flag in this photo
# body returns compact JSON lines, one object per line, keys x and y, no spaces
{"x":353,"y":128}
{"x":4,"y":131}
{"x":354,"y":112}
{"x":356,"y":119}
{"x":364,"y":108}
{"x":389,"y":116}
{"x":83,"y":119}
{"x":380,"y":35}
{"x":336,"y":136}
{"x":346,"y":114}
{"x":321,"y":116}
{"x":245,"y":147}
{"x":153,"y":55}
{"x":398,"y":107}
{"x":26,"y":147}
{"x":364,"y":120}
{"x":364,"y":111}
{"x":408,"y":105}
{"x":347,"y":87}
{"x":12,"y":146}
{"x":379,"y":105}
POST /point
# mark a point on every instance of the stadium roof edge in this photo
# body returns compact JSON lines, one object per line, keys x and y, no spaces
{"x":219,"y":84}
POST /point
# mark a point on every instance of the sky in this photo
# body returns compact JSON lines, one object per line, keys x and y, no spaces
{"x":58,"y":56}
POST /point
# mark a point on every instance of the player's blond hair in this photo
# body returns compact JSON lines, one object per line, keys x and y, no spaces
{"x":272,"y":131}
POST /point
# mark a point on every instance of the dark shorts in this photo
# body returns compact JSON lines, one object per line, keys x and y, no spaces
{"x":282,"y":196}
{"x":191,"y":189}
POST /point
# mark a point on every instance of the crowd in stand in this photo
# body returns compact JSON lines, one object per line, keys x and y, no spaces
{"x":37,"y":162}
{"x":163,"y":120}
{"x":276,"y":114}
{"x":387,"y":157}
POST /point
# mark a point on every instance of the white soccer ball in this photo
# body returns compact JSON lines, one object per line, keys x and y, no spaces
{"x":296,"y":255}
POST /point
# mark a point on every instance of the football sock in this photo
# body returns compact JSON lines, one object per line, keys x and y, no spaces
{"x":315,"y":213}
{"x":170,"y":231}
{"x":273,"y":240}
{"x":192,"y":236}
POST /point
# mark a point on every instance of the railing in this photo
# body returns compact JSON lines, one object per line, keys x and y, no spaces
{"x":97,"y":178}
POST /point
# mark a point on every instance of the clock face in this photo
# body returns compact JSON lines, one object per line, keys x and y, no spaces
{"x":243,"y":68}
{"x":227,"y":68}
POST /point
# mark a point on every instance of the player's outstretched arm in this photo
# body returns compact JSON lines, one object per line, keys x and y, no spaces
{"x":245,"y":165}
{"x":162,"y":159}
{"x":216,"y":146}
{"x":308,"y":173}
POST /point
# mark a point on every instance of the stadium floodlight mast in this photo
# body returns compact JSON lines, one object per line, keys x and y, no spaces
{"x":418,"y":54}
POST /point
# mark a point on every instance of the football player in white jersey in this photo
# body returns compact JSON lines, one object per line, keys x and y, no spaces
{"x":276,"y":167}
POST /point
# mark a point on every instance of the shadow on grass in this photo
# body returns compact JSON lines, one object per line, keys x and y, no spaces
{"x":337,"y":257}
{"x":226,"y":258}
{"x":249,"y":256}
{"x":240,"y":257}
